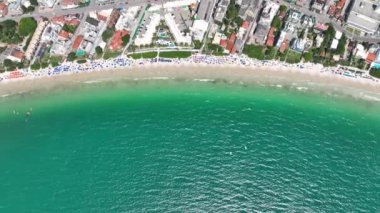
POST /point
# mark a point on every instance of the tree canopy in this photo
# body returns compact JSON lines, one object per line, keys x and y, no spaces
{"x":8,"y":32}
{"x":72,"y":56}
{"x":308,"y":56}
{"x":98,"y":50}
{"x":341,"y":45}
{"x":27,"y":26}
{"x":107,"y":34}
{"x":69,"y":28}
{"x":125,"y":39}
{"x":276,"y":23}
{"x":34,"y":2}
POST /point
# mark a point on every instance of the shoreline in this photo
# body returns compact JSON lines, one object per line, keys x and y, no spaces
{"x":276,"y":76}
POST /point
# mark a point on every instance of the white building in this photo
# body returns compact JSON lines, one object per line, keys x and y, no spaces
{"x":199,"y":29}
{"x":180,"y":37}
{"x":147,"y":36}
{"x":126,"y":19}
{"x":334,"y":44}
{"x":171,"y":4}
{"x":360,"y":52}
{"x":46,"y":3}
{"x":269,"y":11}
{"x":35,"y":40}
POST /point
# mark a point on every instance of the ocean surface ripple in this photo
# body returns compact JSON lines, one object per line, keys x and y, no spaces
{"x":197,"y":147}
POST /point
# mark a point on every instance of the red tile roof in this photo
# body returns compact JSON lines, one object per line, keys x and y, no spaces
{"x":117,"y":41}
{"x":2,"y":6}
{"x":231,"y":42}
{"x":58,"y":19}
{"x":78,"y":40}
{"x":223,"y":43}
{"x":245,"y":24}
{"x":270,"y":40}
{"x":70,"y":2}
{"x":17,"y":54}
{"x":102,"y":18}
{"x":341,"y":4}
{"x":283,"y":46}
{"x":74,"y":22}
{"x":64,"y":34}
{"x":320,"y":26}
{"x":371,"y":57}
{"x":3,"y":9}
{"x":332,"y":10}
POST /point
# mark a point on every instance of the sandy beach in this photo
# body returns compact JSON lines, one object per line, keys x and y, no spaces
{"x":290,"y":77}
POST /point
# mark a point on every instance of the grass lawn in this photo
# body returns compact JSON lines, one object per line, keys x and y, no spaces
{"x":375,"y":73}
{"x":293,"y":57}
{"x":254,"y":51}
{"x":109,"y":54}
{"x":175,"y":54}
{"x":143,"y":55}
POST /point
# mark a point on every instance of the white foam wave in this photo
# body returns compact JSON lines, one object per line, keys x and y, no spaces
{"x":204,"y":79}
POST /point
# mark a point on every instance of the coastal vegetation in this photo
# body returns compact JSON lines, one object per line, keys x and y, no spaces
{"x":214,"y":49}
{"x":71,"y":56}
{"x":144,"y":55}
{"x":11,"y":65}
{"x":175,"y":54}
{"x":126,"y":39}
{"x":98,"y":50}
{"x":111,"y":54}
{"x":81,"y":61}
{"x":254,"y":51}
{"x":35,"y":66}
{"x":375,"y":72}
{"x":271,"y":53}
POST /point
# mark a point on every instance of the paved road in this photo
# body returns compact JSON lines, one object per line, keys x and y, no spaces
{"x":324,"y":18}
{"x":57,"y":11}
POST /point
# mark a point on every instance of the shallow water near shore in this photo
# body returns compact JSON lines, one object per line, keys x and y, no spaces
{"x":160,"y":145}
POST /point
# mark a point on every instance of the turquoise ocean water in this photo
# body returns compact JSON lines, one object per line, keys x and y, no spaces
{"x":188,"y":147}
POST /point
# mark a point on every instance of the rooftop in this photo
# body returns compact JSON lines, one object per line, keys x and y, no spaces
{"x":204,"y":9}
{"x":78,"y":40}
{"x":365,"y":15}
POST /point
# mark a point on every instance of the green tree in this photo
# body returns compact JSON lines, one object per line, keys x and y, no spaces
{"x":341,"y":45}
{"x":197,"y":44}
{"x":34,"y":2}
{"x":283,"y":8}
{"x":27,"y":9}
{"x":8,"y":63}
{"x":254,"y":51}
{"x":71,"y":56}
{"x":27,"y":26}
{"x":270,"y":53}
{"x":308,"y":56}
{"x":276,"y":23}
{"x":69,"y":28}
{"x":107,"y":34}
{"x":239,"y":21}
{"x":232,"y":10}
{"x":8,"y":32}
{"x":98,"y":50}
{"x":35,"y":66}
{"x":126,"y":39}
{"x":54,"y":63}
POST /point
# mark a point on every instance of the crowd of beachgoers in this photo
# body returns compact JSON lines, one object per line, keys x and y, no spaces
{"x":124,"y":62}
